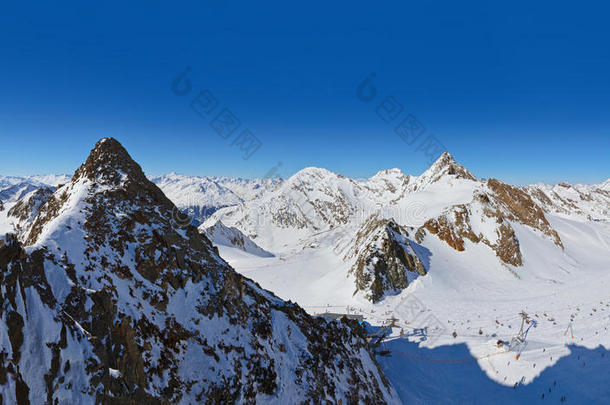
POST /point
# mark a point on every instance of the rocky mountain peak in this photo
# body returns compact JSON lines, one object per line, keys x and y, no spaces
{"x":444,"y":166}
{"x":109,"y":162}
{"x":140,"y":309}
{"x":108,"y":188}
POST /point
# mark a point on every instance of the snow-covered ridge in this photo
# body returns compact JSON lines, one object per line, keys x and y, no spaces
{"x":106,"y":297}
{"x":578,"y":201}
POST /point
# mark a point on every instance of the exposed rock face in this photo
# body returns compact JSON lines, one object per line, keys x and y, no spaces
{"x":444,"y":166}
{"x":219,"y":234}
{"x":385,"y":260}
{"x":488,"y":218}
{"x":26,"y":209}
{"x":519,"y":206}
{"x":453,"y":227}
{"x":476,"y":222}
{"x":109,"y":302}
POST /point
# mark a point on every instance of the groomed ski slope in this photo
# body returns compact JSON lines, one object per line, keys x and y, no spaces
{"x":472,"y":294}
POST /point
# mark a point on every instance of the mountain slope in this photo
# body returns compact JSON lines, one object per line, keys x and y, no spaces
{"x":490,"y":250}
{"x":16,"y":192}
{"x":219,"y":234}
{"x":446,"y":201}
{"x":107,"y":300}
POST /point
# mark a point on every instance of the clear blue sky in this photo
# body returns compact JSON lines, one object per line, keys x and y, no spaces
{"x":519,"y":91}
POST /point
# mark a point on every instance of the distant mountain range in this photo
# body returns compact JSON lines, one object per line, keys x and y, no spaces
{"x":200,"y":197}
{"x":116,"y":285}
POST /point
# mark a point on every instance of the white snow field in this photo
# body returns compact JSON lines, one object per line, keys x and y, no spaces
{"x":295,"y":236}
{"x":468,"y":292}
{"x":443,"y":348}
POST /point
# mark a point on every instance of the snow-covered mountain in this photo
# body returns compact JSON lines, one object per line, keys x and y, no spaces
{"x":15,"y":192}
{"x":450,"y":260}
{"x":316,"y":200}
{"x":446,"y":200}
{"x":52,"y":180}
{"x":579,"y":201}
{"x":105,"y":299}
{"x":25,"y":210}
{"x":15,"y":189}
{"x":200,"y":197}
{"x":19,"y":205}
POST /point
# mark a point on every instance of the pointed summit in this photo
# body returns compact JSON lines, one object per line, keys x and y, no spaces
{"x":110,"y":185}
{"x":109,"y":162}
{"x":445,"y":166}
{"x":132,"y":295}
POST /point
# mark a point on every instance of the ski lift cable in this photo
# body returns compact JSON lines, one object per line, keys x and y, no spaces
{"x":448,"y":361}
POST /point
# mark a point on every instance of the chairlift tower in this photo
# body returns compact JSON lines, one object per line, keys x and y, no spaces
{"x":569,"y":329}
{"x":518,"y":343}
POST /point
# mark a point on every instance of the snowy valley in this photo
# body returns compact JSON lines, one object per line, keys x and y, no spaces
{"x":476,"y":288}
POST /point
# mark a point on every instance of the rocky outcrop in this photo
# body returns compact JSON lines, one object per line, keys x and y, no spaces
{"x":26,"y":209}
{"x":516,"y":205}
{"x":384,"y":259}
{"x":109,"y":301}
{"x":487,"y":219}
{"x":455,"y":226}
